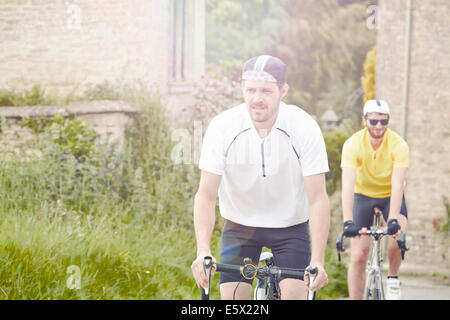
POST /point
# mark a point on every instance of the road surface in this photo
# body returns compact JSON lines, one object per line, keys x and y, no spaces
{"x":425,"y":288}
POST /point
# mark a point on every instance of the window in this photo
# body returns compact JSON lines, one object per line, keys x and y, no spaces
{"x":178,"y":40}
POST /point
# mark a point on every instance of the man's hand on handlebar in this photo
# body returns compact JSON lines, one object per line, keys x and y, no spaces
{"x":350,"y":229}
{"x":198,"y":270}
{"x":393,"y":228}
{"x":320,"y":278}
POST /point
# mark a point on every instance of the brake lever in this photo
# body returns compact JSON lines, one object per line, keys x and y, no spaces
{"x":208,"y":263}
{"x":312,"y":272}
{"x":340,"y":245}
{"x":401,"y":242}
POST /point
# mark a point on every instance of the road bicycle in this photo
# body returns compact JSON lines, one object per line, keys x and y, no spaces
{"x":268,"y":276}
{"x":373,"y":289}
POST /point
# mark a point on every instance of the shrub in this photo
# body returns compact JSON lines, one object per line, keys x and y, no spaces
{"x":212,"y":96}
{"x":337,"y":277}
{"x":445,"y":226}
{"x":32,"y":97}
{"x":72,"y":136}
{"x":368,"y":79}
{"x":334,"y":142}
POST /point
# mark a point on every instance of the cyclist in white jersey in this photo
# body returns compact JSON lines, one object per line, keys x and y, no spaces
{"x":266,"y":161}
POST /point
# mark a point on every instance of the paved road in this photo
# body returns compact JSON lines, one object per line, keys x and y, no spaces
{"x":425,"y":288}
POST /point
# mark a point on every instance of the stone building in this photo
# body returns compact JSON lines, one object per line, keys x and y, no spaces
{"x":413,"y":75}
{"x":66,"y":45}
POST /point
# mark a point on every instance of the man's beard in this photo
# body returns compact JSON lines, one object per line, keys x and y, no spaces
{"x":375,"y":135}
{"x":262,"y":115}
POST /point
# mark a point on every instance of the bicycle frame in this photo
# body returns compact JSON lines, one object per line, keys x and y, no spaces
{"x":373,"y":288}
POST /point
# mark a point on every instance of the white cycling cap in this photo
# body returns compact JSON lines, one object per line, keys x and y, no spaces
{"x":378,"y":106}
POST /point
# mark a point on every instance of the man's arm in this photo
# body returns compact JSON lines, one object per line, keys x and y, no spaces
{"x":397,"y":183}
{"x":348,"y":186}
{"x":204,"y":219}
{"x":319,"y":223}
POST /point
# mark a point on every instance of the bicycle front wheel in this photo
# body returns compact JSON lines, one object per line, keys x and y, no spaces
{"x":373,"y":291}
{"x":377,"y":295}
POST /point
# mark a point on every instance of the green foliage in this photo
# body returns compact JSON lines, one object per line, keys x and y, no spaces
{"x":237,"y":30}
{"x":334,"y":142}
{"x":36,"y":95}
{"x":323,"y":43}
{"x":102,"y":91}
{"x":166,"y":189}
{"x":72,"y":136}
{"x":32,"y":97}
{"x":212,"y":96}
{"x":5,"y":98}
{"x":337,"y":277}
{"x":37,"y":125}
{"x":445,"y":227}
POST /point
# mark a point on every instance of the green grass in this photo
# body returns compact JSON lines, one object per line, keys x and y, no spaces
{"x":117,"y":261}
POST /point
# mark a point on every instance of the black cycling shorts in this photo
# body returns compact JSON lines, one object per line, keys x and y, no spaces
{"x":363,"y":209}
{"x":290,"y":247}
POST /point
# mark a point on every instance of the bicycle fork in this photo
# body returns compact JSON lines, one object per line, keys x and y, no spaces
{"x":373,"y":288}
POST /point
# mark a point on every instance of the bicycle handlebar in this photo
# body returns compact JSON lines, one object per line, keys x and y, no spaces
{"x":377,"y":234}
{"x":250,"y":271}
{"x":373,"y":233}
{"x":208,"y":263}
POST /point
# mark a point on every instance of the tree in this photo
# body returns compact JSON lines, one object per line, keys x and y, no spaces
{"x":324,"y":43}
{"x":237,"y":30}
{"x":368,"y":79}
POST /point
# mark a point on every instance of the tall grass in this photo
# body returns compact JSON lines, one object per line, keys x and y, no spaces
{"x":124,"y":220}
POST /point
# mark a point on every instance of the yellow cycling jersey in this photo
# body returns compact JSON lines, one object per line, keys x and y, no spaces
{"x":374,"y":167}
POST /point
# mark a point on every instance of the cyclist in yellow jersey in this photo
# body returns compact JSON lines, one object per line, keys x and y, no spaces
{"x":374,"y":164}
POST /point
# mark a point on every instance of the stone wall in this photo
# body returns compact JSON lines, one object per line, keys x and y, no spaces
{"x":64,"y":45}
{"x":108,"y":118}
{"x":427,"y":125}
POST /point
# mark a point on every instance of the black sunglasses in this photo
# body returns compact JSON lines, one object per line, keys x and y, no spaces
{"x":374,"y":122}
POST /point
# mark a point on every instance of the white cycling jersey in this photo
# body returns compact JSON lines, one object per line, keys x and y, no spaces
{"x":262,"y":179}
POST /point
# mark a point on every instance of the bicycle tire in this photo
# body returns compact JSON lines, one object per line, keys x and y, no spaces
{"x":377,"y":295}
{"x":374,"y":293}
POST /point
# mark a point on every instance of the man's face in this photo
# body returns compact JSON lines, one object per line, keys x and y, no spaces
{"x":377,"y":130}
{"x":263,"y":99}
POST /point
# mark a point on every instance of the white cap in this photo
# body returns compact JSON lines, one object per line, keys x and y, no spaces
{"x":378,"y":106}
